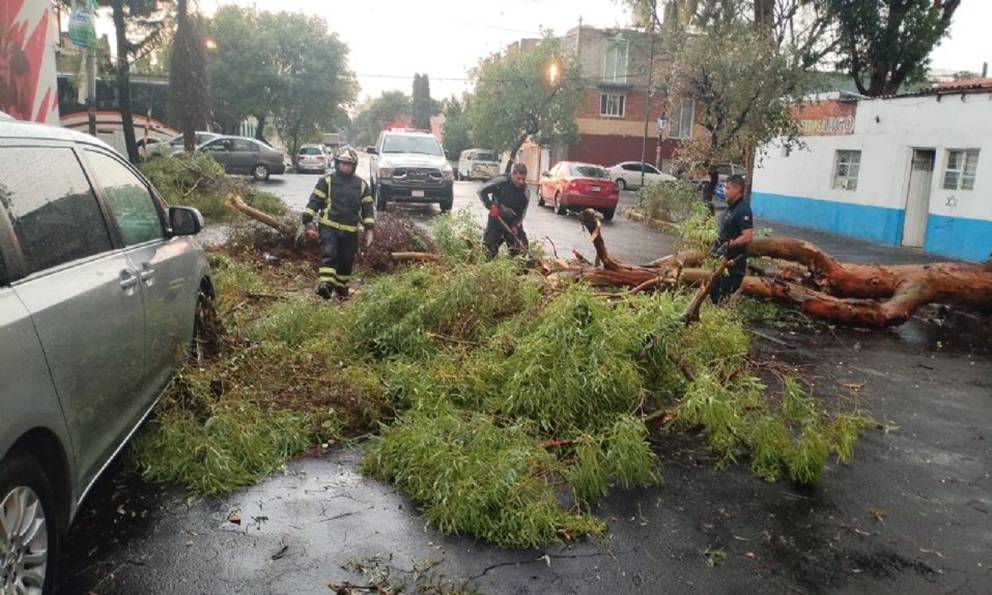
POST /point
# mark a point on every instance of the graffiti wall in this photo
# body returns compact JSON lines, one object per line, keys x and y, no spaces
{"x":27,"y":61}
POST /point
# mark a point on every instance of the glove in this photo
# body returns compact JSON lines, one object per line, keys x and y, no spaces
{"x":301,"y":233}
{"x":515,"y":229}
{"x":720,"y":250}
{"x":369,"y":236}
{"x":307,"y":218}
{"x":494,"y":211}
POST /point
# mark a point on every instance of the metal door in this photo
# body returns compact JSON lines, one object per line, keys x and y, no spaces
{"x":918,"y":197}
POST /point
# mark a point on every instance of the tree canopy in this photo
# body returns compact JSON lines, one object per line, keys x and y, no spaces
{"x":522,"y":93}
{"x":885,"y":43}
{"x":282,"y":64}
{"x":392,"y":108}
{"x":421,"y":105}
{"x":455,"y":138}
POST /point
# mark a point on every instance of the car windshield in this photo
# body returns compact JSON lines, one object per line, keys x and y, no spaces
{"x":589,"y":171}
{"x":485,"y":156}
{"x":426,"y":145}
{"x":309,"y":151}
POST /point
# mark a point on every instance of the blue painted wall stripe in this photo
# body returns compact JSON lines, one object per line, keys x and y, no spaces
{"x":966,"y":239}
{"x":956,"y":237}
{"x":876,"y":224}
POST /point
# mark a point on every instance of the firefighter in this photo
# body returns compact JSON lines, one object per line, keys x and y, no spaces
{"x":505,"y":197}
{"x":340,"y":202}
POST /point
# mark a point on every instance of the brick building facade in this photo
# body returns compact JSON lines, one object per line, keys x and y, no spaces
{"x":611,"y":118}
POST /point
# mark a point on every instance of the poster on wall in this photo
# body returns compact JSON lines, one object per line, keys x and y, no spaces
{"x":27,"y":61}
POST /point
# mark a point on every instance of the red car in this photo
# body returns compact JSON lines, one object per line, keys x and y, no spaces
{"x":571,"y":185}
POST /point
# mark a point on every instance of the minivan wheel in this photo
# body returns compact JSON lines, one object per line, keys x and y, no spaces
{"x":29,"y":530}
{"x":260,"y":172}
{"x":207,"y":330}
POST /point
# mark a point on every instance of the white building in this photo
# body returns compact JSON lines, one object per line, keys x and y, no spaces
{"x":912,"y":170}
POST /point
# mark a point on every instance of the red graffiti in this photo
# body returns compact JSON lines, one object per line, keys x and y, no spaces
{"x":21,"y":56}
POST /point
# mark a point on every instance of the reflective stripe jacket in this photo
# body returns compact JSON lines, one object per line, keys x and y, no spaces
{"x":342,"y":202}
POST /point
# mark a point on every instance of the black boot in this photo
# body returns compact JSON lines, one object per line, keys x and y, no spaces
{"x":324,"y":290}
{"x":341,"y":291}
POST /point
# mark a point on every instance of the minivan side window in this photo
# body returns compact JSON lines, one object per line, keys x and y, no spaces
{"x":55,"y":216}
{"x":129,"y":200}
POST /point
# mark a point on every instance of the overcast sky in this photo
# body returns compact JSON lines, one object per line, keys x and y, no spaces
{"x":391,"y":40}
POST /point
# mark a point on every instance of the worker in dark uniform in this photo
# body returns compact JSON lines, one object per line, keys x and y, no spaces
{"x":342,"y":200}
{"x":736,"y":232}
{"x":505,"y":197}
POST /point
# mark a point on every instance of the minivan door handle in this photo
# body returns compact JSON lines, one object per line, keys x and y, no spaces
{"x":147,"y":274}
{"x":128,"y":281}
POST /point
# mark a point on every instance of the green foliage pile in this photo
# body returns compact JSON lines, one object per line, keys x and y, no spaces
{"x":674,"y":201}
{"x":504,"y":410}
{"x":286,"y":382}
{"x":197,"y":180}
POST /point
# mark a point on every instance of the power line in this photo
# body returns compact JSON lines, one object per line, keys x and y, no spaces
{"x":594,"y":78}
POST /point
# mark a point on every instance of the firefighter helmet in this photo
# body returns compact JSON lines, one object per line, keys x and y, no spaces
{"x":346,"y":155}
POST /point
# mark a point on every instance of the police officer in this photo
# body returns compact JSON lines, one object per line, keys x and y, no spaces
{"x":505,"y":197}
{"x":341,"y":200}
{"x":736,"y":232}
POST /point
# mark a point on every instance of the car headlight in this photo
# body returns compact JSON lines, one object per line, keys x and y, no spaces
{"x":384,"y":172}
{"x":447,"y":173}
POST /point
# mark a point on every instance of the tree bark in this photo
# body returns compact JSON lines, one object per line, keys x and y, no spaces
{"x":124,"y":82}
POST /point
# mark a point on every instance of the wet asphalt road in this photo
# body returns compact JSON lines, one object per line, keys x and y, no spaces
{"x":910,"y":514}
{"x":626,"y":240}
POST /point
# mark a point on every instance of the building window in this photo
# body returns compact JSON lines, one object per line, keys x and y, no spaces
{"x":962,"y":165}
{"x":682,"y":123}
{"x":846,"y":168}
{"x":612,"y":105}
{"x":615,"y":63}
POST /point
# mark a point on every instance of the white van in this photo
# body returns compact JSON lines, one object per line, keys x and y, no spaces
{"x":477,"y":164}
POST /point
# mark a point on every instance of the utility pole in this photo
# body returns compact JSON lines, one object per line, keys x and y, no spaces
{"x":91,"y":87}
{"x":647,"y":91}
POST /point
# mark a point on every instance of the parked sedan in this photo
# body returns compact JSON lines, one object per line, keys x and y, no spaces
{"x":174,"y":146}
{"x":571,"y":185}
{"x":627,"y":174}
{"x":243,"y":155}
{"x":101,"y":284}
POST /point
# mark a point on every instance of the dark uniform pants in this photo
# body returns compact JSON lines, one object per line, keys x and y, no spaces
{"x":337,"y":255}
{"x":728,"y":284}
{"x":495,"y":236}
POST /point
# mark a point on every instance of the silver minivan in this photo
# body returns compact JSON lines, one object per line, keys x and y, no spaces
{"x":101,"y":285}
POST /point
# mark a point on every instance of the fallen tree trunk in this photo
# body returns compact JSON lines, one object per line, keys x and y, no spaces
{"x":804,"y":277}
{"x":236,"y":203}
{"x":868,"y":295}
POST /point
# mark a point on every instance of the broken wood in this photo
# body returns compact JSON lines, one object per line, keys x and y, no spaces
{"x":803,"y":276}
{"x":867,"y":295}
{"x":236,"y":203}
{"x":691,"y":312}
